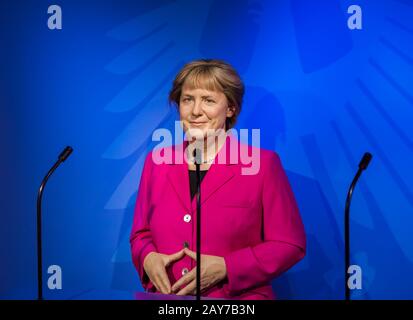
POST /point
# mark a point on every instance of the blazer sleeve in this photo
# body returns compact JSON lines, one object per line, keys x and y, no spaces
{"x":141,"y":237}
{"x":284,"y":242}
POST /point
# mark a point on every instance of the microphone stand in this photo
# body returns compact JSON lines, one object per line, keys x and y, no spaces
{"x":62,"y":157}
{"x":362,"y":166}
{"x":197,"y":157}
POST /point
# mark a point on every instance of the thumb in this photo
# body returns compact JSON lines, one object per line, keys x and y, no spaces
{"x":190,"y":253}
{"x":173,"y":257}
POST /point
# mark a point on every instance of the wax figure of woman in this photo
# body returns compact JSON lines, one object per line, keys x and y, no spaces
{"x":251,"y":226}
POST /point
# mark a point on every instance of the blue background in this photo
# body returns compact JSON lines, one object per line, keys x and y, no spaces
{"x":321,"y":94}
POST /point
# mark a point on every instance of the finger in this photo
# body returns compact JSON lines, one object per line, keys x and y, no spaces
{"x":157,"y":283}
{"x":154,"y":279}
{"x":194,"y":291}
{"x":162,"y":286}
{"x":164,"y":280}
{"x":188,"y":289}
{"x":190,"y":253}
{"x":173,"y":257}
{"x":184,"y":280}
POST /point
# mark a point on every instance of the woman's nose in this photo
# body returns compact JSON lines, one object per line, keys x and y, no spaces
{"x":197,"y":109}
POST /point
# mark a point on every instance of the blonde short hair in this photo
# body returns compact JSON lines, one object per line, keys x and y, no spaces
{"x":214,"y":75}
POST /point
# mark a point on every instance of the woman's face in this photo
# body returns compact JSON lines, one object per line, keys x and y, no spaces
{"x":203,"y":109}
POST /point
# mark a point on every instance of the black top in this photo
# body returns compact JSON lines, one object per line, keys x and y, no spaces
{"x":192,"y":180}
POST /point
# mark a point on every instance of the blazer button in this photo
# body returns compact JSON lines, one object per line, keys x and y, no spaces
{"x":187,"y":217}
{"x":186,"y":244}
{"x":184,"y":271}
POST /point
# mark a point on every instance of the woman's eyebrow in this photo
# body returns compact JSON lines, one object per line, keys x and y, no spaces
{"x":203,"y":97}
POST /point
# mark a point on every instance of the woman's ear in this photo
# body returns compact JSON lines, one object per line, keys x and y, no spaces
{"x":230,"y":111}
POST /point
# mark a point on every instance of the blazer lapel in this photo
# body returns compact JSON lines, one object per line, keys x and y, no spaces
{"x":219,"y":173}
{"x":178,"y":176}
{"x":216,"y":177}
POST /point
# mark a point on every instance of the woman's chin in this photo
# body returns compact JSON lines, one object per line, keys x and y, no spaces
{"x":196,"y":133}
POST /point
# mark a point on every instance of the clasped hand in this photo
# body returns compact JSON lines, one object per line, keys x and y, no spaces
{"x":213,"y":270}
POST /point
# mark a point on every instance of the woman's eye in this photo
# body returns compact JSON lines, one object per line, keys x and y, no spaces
{"x":210,"y":101}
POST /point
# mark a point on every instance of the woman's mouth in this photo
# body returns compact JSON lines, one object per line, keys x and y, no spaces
{"x":197,"y":124}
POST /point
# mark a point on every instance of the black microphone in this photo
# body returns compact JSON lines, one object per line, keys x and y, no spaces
{"x":197,"y":153}
{"x":362,"y":166}
{"x":62,"y":157}
{"x":65,"y":153}
{"x":364,"y":163}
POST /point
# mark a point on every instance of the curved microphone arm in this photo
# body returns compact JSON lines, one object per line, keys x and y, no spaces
{"x":197,"y":153}
{"x":62,"y":157}
{"x":362,"y":166}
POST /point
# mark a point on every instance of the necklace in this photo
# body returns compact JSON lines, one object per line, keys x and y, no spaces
{"x":208,"y":160}
{"x":203,"y":161}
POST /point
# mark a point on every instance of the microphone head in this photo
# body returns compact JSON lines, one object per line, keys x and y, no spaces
{"x":197,"y":154}
{"x":365,"y":161}
{"x":65,"y":153}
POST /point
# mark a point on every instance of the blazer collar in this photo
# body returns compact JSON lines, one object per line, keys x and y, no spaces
{"x":218,"y":173}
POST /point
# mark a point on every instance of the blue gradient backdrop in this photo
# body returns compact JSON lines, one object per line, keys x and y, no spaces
{"x":322,"y":95}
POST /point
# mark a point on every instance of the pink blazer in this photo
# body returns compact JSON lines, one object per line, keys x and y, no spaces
{"x":250,"y":220}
